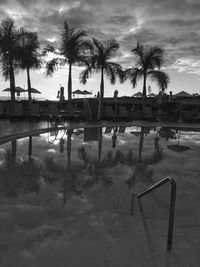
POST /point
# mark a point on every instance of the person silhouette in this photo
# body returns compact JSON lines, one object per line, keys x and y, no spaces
{"x":114,"y":138}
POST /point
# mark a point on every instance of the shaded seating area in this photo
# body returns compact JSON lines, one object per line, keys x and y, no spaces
{"x":148,"y":113}
{"x":17,"y":112}
{"x":109,"y":112}
{"x":72,"y":113}
{"x":54,"y":116}
{"x":123,"y":113}
{"x":34,"y":114}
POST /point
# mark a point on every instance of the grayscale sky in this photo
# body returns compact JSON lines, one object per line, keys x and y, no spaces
{"x":172,"y":24}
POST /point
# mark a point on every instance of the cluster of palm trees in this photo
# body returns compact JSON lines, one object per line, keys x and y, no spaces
{"x":19,"y":49}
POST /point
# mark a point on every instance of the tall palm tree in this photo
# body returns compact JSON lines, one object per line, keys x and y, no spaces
{"x":148,"y":64}
{"x":73,"y":50}
{"x":28,"y":55}
{"x":8,"y":41}
{"x":100,"y":62}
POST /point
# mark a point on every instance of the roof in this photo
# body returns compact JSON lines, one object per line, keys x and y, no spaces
{"x":182,"y":94}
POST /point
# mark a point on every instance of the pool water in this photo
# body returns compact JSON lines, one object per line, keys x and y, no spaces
{"x":66,"y":195}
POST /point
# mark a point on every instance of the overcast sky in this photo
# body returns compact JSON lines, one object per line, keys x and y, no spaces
{"x":172,"y":24}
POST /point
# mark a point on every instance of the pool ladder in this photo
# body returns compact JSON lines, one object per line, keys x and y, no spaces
{"x":172,"y":205}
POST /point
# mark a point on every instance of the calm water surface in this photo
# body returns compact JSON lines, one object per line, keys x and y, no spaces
{"x":59,"y":188}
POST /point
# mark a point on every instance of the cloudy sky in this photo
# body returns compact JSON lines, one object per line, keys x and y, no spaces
{"x":172,"y":24}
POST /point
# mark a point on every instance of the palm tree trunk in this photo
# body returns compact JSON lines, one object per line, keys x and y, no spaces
{"x":102,"y":85}
{"x":144,"y":94}
{"x":141,"y":144}
{"x":29,"y":88}
{"x":12,"y":86}
{"x":102,"y":92}
{"x":70,"y":82}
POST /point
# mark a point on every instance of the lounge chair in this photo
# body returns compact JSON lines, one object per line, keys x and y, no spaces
{"x":17,"y":112}
{"x":34,"y":112}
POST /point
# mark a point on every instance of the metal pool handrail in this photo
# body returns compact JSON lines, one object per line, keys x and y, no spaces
{"x":172,"y":205}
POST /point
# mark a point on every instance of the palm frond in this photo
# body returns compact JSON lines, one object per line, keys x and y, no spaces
{"x":160,"y":77}
{"x":98,"y":45}
{"x":49,"y":48}
{"x":139,"y":54}
{"x":110,"y":72}
{"x":111,"y":48}
{"x":113,"y":71}
{"x":84,"y":75}
{"x":154,"y":57}
{"x":52,"y":65}
{"x":134,"y":74}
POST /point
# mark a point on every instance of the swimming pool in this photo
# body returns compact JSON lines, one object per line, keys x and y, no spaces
{"x":65,"y":197}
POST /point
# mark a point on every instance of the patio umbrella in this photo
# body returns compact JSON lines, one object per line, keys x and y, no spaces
{"x":18,"y":89}
{"x":138,"y":94}
{"x":85,"y":92}
{"x":34,"y":91}
{"x":77,"y":92}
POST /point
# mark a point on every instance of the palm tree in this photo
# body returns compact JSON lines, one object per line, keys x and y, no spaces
{"x":8,"y":40}
{"x":148,"y":64}
{"x":73,"y":50}
{"x":100,"y":62}
{"x":27,"y":54}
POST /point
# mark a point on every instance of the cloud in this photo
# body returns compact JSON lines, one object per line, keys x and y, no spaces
{"x":172,"y":24}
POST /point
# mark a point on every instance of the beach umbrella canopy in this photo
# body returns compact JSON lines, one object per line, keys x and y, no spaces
{"x":138,"y":94}
{"x":34,"y":91}
{"x":85,"y":92}
{"x":182,"y":94}
{"x":18,"y":89}
{"x":77,"y":92}
{"x":178,"y":148}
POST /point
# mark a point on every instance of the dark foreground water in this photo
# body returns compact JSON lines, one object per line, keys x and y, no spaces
{"x":65,"y":198}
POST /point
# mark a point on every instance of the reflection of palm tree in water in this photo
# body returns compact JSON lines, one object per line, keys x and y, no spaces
{"x":17,"y":176}
{"x":143,"y":170}
{"x":69,"y":146}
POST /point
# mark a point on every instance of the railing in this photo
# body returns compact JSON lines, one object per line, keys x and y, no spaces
{"x":172,"y":205}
